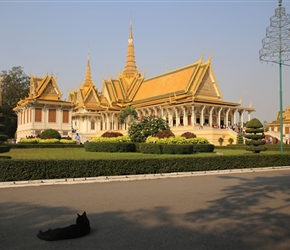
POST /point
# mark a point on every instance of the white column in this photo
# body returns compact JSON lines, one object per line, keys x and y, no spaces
{"x":192,"y":116}
{"x":210,"y":115}
{"x":242,"y":118}
{"x":177,"y":117}
{"x":202,"y":116}
{"x":162,"y":113}
{"x":113,"y":121}
{"x":249,"y":115}
{"x":155,"y":112}
{"x":44,"y":115}
{"x":227,"y":117}
{"x":185,"y":118}
{"x":170,"y":117}
{"x":235,"y":117}
{"x":219,"y":117}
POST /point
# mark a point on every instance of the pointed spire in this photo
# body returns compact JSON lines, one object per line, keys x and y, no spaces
{"x":88,"y":78}
{"x":130,"y":67}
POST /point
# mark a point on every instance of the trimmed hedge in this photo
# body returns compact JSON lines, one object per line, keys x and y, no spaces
{"x":46,"y":145}
{"x":150,"y":148}
{"x":177,"y":149}
{"x":110,"y":147}
{"x":23,"y":170}
{"x":4,"y":148}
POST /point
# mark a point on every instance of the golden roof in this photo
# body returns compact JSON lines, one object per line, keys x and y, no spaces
{"x":43,"y":90}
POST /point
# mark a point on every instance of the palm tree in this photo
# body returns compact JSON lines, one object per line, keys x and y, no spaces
{"x":130,"y":112}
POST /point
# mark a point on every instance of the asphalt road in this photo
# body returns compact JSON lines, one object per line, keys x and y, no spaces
{"x":232,"y":211}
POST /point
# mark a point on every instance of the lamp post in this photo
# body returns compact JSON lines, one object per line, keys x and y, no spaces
{"x":276,"y":49}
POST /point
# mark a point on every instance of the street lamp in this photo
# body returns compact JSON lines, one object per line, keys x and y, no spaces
{"x":276,"y":49}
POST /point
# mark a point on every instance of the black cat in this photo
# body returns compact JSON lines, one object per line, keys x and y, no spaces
{"x":81,"y":228}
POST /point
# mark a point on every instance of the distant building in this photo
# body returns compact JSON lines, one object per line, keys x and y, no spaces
{"x":274,"y":126}
{"x":187,"y":98}
{"x":43,"y":109}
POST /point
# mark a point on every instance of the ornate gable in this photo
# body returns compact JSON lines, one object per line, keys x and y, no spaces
{"x":44,"y":88}
{"x":208,"y":87}
{"x":91,"y":98}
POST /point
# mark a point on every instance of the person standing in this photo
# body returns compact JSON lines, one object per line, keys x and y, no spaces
{"x":78,"y":139}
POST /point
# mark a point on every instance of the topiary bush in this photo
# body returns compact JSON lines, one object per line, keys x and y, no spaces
{"x":111,"y":134}
{"x":230,"y":140}
{"x":188,"y":135}
{"x":164,"y":134}
{"x":240,"y":138}
{"x":255,"y":135}
{"x":50,"y":134}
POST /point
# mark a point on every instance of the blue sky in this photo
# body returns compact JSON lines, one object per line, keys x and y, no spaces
{"x":54,"y":37}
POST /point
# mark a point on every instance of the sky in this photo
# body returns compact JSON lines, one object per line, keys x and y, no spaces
{"x":54,"y":37}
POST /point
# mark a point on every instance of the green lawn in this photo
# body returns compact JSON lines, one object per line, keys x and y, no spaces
{"x":80,"y":153}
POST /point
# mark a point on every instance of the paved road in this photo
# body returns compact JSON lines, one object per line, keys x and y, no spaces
{"x":231,"y":211}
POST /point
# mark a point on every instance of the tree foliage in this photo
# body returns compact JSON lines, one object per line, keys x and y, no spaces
{"x":146,"y":126}
{"x":130,"y":112}
{"x":3,"y":137}
{"x":15,"y":86}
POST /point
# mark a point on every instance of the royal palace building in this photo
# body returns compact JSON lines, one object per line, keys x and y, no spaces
{"x":188,"y":98}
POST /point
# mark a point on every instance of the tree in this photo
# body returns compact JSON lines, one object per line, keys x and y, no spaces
{"x":130,"y":112}
{"x":255,"y":135}
{"x":3,"y":137}
{"x":15,"y":86}
{"x":140,"y":130}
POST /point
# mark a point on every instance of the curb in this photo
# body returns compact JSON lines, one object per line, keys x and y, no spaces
{"x":103,"y":179}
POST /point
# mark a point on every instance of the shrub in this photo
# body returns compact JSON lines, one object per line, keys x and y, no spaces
{"x":188,"y":135}
{"x":164,"y":134}
{"x":240,"y":138}
{"x":146,"y":126}
{"x":221,"y":140}
{"x":255,"y":135}
{"x":177,"y":148}
{"x":177,"y":140}
{"x":111,"y":134}
{"x":230,"y":140}
{"x":149,"y":148}
{"x":109,"y":147}
{"x":50,"y":134}
{"x":123,"y":138}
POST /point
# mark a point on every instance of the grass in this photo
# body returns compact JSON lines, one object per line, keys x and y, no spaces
{"x":80,"y":153}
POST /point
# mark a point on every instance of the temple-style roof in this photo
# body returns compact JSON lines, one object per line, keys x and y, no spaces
{"x":43,"y":90}
{"x":87,"y":96}
{"x":193,"y":83}
{"x":285,"y":117}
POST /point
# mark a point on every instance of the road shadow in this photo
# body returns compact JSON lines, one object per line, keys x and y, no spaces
{"x":254,"y":214}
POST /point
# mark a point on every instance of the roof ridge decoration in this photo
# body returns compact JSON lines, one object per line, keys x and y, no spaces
{"x":130,"y":66}
{"x":88,"y":78}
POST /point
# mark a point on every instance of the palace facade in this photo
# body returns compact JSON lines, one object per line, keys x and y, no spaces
{"x":189,"y":99}
{"x":274,"y":126}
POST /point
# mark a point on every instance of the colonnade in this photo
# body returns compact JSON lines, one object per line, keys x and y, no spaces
{"x":182,"y":115}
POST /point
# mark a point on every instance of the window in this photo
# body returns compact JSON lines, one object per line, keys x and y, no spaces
{"x":51,"y":115}
{"x":93,"y":125}
{"x":65,"y":116}
{"x":38,"y":113}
